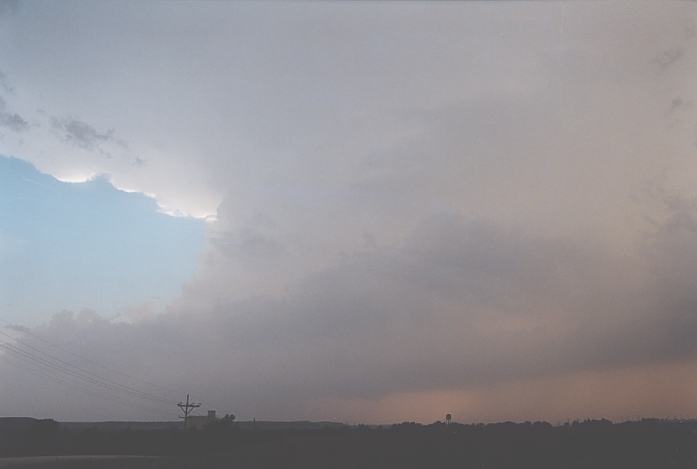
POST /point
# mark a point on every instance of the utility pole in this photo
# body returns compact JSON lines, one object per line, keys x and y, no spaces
{"x":187,"y":408}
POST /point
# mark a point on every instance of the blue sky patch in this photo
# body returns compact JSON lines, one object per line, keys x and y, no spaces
{"x":86,"y":246}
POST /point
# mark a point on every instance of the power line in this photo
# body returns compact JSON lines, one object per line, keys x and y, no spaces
{"x":27,"y":356}
{"x":51,"y":365}
{"x":39,"y":371}
{"x":187,"y":408}
{"x":25,"y":331}
{"x":75,"y":368}
{"x":36,"y":355}
{"x":87,"y":359}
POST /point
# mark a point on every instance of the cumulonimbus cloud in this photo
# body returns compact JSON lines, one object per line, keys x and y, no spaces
{"x":440,"y":214}
{"x":461,"y":305}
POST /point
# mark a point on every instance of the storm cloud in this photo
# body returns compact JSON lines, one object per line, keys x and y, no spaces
{"x":81,"y":134}
{"x":413,"y":208}
{"x":8,"y":7}
{"x":460,"y":305}
{"x":11,"y":120}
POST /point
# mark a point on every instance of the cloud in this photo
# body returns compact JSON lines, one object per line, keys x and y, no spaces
{"x":5,"y":84}
{"x":668,"y":57}
{"x":8,"y":119}
{"x":240,"y":118}
{"x":457,"y":210}
{"x":460,"y":306}
{"x":11,"y":120}
{"x":83,"y":135}
{"x":8,"y":7}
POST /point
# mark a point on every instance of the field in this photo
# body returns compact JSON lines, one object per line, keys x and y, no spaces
{"x":539,"y":445}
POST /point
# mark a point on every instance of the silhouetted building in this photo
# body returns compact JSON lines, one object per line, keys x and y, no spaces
{"x":200,"y":421}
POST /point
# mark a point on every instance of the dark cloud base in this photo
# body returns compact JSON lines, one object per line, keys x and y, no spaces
{"x":460,"y":305}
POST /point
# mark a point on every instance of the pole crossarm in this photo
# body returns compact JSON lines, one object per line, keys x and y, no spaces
{"x":187,"y":407}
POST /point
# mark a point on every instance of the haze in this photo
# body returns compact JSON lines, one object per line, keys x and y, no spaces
{"x":355,"y":211}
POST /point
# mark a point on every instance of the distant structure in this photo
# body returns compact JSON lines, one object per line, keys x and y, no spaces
{"x":186,"y":408}
{"x":200,"y":421}
{"x":448,"y":418}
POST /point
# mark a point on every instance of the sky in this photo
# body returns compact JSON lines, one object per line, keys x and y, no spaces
{"x":355,"y":211}
{"x":86,"y":246}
